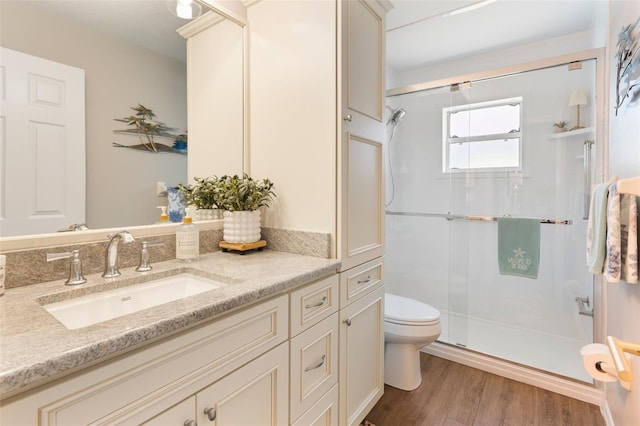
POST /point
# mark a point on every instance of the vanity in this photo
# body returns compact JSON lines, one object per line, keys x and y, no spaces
{"x":277,"y":327}
{"x":287,"y":339}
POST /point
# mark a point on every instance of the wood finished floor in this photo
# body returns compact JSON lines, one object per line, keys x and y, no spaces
{"x":452,"y":394}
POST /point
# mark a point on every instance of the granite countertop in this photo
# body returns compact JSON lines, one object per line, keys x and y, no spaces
{"x":35,"y":348}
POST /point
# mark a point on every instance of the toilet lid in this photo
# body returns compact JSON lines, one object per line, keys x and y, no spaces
{"x":403,"y":310}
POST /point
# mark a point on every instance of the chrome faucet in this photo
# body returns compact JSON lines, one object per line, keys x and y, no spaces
{"x":111,"y":255}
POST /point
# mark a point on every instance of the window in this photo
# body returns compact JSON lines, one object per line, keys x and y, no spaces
{"x":483,"y":136}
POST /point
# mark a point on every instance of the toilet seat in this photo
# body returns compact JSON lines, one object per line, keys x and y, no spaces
{"x":405,"y":311}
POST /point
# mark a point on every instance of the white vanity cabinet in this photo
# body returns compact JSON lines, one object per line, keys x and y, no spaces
{"x":228,"y":364}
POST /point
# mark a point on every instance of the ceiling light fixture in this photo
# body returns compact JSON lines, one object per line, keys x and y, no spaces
{"x":469,"y":8}
{"x":185,"y":9}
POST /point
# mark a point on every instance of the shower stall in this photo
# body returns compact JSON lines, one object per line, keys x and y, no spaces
{"x":461,"y":156}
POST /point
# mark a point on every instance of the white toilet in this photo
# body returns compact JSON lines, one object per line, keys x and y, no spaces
{"x":409,"y":325}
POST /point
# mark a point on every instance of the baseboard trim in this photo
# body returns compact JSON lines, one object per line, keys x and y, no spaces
{"x":606,"y":413}
{"x":573,"y":389}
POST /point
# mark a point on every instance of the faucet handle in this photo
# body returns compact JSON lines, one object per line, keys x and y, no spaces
{"x":75,"y":268}
{"x":144,"y":265}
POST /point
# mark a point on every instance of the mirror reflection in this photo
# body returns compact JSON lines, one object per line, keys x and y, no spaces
{"x":130,"y":55}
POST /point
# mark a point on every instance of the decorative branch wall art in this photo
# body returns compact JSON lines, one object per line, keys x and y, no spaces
{"x":147,"y":128}
{"x":628,"y":65}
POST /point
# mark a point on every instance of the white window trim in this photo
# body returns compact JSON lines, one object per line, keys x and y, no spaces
{"x":447,"y":139}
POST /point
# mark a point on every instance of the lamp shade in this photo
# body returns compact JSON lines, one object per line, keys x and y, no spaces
{"x":578,"y":97}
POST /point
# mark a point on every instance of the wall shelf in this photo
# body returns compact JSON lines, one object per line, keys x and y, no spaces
{"x":570,"y":133}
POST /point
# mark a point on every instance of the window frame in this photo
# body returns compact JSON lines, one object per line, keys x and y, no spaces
{"x":448,"y":140}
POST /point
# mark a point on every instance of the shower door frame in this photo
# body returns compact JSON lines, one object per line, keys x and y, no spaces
{"x":579,"y":390}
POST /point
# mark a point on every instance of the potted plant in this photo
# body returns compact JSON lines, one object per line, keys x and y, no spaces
{"x":202,"y":195}
{"x":561,"y":126}
{"x":241,"y":197}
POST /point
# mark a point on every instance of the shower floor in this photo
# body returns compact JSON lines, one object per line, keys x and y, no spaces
{"x":555,"y":354}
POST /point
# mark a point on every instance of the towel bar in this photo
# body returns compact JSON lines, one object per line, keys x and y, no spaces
{"x":451,"y":216}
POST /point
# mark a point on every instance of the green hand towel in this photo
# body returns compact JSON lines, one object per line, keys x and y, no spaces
{"x":519,"y":246}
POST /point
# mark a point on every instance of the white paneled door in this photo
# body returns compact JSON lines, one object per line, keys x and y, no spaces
{"x":42,"y":145}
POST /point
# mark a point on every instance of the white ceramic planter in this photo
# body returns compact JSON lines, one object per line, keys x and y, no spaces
{"x":208,"y":214}
{"x":241,"y":226}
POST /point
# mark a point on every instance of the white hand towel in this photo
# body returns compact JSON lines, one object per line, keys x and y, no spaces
{"x":597,"y":227}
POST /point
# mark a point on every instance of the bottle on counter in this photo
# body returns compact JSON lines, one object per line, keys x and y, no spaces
{"x":187,"y":239}
{"x":164,"y":217}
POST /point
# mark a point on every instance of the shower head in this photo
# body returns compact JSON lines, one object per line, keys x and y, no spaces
{"x":396,"y":116}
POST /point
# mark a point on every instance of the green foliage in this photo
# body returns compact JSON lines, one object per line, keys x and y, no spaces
{"x":232,"y":193}
{"x":235,"y":193}
{"x":202,"y":194}
{"x":560,"y":124}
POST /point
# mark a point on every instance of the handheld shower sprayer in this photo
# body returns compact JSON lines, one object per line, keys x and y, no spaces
{"x":396,"y":116}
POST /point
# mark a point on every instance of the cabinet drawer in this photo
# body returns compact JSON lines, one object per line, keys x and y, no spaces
{"x":313,"y":303}
{"x":314,"y":364}
{"x":322,"y":413}
{"x":360,"y":280}
{"x":179,"y":414}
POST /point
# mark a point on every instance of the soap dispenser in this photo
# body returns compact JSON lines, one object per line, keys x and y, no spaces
{"x":187,"y":239}
{"x":164,"y":217}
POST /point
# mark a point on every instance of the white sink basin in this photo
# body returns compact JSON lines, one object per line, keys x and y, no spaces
{"x":94,"y":308}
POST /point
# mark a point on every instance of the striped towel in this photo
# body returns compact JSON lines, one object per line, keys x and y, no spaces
{"x":621,"y":261}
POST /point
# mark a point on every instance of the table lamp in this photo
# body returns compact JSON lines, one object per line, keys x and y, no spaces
{"x":578,"y":99}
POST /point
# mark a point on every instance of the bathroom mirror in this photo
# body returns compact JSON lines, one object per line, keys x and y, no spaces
{"x":96,"y":36}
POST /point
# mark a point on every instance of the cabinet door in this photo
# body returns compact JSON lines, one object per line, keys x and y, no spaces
{"x":363,"y":44}
{"x":256,"y":394}
{"x":361,"y":357}
{"x":180,"y":414}
{"x":363,"y":133}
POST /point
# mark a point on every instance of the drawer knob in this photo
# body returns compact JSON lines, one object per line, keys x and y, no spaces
{"x":320,"y":364}
{"x":211,"y":413}
{"x":320,"y":303}
{"x":348,"y":322}
{"x":365,"y":281}
{"x":190,"y":423}
{"x":347,"y":117}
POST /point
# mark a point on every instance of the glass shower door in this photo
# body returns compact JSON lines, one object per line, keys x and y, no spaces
{"x":529,"y":320}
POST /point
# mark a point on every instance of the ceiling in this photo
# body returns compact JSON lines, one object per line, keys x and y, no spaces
{"x":418,"y":31}
{"x":147,"y":23}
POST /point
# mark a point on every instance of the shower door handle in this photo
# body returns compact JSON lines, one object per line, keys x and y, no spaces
{"x":587,"y":178}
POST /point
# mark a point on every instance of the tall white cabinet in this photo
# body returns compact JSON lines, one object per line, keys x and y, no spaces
{"x":317,"y":130}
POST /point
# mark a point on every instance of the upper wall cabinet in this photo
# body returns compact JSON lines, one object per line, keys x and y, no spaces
{"x":361,"y":177}
{"x":363,"y":33}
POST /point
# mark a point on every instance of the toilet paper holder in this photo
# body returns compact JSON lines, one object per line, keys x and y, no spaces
{"x":617,"y":348}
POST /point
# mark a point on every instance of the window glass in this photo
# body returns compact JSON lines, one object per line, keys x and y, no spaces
{"x":483,"y":136}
